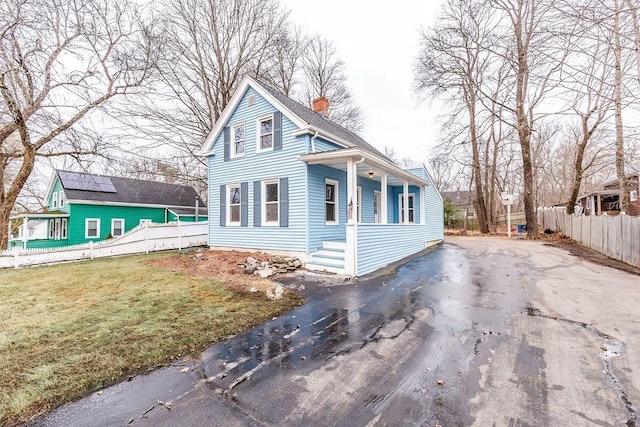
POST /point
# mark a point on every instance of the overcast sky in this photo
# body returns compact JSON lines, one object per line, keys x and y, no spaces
{"x":378,"y":45}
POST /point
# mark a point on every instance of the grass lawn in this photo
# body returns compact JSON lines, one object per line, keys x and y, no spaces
{"x":70,"y":329}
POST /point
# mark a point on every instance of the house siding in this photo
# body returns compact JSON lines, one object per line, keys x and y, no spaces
{"x":318,"y":229}
{"x":258,"y":166}
{"x":131,"y":215}
{"x":57,"y":188}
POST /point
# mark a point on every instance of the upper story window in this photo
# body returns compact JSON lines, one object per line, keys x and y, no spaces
{"x":54,"y":201}
{"x":233,"y":204}
{"x":331,"y":201}
{"x":237,"y":140}
{"x":265,"y":133}
{"x":271,"y":206}
{"x":62,"y":199}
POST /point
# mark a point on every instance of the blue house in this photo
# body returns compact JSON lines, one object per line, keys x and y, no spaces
{"x":285,"y":179}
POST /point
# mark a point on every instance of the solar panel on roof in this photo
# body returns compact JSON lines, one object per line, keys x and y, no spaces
{"x":86,"y":182}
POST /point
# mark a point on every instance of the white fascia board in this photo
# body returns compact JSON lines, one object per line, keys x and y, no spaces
{"x":39,"y":216}
{"x":52,"y":182}
{"x":246,"y":82}
{"x":135,"y":205}
{"x":371,"y":159}
{"x":326,"y":135}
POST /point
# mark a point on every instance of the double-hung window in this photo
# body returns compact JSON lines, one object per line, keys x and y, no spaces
{"x":411,"y":208}
{"x":117,"y":227}
{"x":265,"y":133}
{"x":331,"y":201}
{"x":92,"y":228}
{"x":63,"y":230}
{"x":54,"y":201}
{"x":61,"y":199}
{"x":233,"y":204}
{"x":237,"y":140}
{"x":271,"y":205}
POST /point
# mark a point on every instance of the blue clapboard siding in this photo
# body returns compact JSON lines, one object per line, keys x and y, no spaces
{"x":322,"y":144}
{"x":368,"y":187}
{"x":380,"y":244}
{"x":396,"y":191}
{"x":255,"y":166}
{"x":433,"y":206}
{"x":318,"y":230}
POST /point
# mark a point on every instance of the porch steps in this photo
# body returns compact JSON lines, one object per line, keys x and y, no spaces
{"x":330,"y":258}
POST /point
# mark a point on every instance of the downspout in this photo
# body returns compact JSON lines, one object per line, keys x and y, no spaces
{"x":352,"y":224}
{"x":313,"y":142}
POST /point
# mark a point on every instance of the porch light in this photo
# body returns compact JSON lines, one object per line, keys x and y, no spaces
{"x":370,"y":174}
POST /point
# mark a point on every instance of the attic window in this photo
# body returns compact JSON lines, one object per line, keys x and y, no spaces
{"x":251,"y":99}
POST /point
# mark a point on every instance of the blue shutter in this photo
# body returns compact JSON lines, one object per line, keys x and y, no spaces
{"x":244,"y":201}
{"x":257,"y":207}
{"x":284,"y":202}
{"x":227,"y":143}
{"x":223,"y":205}
{"x":277,"y":130}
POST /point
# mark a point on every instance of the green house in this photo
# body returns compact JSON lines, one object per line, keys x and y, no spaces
{"x":83,"y":207}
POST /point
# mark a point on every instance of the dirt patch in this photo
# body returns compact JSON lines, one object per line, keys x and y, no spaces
{"x":218,"y":265}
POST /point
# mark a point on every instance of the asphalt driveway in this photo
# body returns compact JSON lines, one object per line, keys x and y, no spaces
{"x":479,"y":331}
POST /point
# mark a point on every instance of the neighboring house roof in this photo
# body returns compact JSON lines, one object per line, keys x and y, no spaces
{"x":459,"y":197}
{"x":305,"y":118}
{"x":111,"y":189}
{"x":612,"y":181}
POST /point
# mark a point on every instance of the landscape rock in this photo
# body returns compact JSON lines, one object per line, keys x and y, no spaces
{"x":275,"y":265}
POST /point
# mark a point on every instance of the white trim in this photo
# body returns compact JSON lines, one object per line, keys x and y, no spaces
{"x":54,"y":200}
{"x":259,"y":120}
{"x":232,"y":140}
{"x":86,"y":228}
{"x":64,"y":228}
{"x":336,"y":201}
{"x":57,"y":229}
{"x":52,"y":183}
{"x":245,"y":84}
{"x":39,"y":216}
{"x":263,"y":203}
{"x":52,"y":228}
{"x":113,"y":220}
{"x":61,"y":198}
{"x":145,"y":221}
{"x":228,"y":205}
{"x":377,"y":219}
{"x":371,"y":159}
{"x":401,"y":210}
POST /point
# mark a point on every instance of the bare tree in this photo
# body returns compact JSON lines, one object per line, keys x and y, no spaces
{"x":452,"y":59}
{"x":283,"y":62}
{"x":324,"y":75}
{"x":60,"y":61}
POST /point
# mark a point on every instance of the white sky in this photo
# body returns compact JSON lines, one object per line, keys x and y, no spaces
{"x":378,"y":45}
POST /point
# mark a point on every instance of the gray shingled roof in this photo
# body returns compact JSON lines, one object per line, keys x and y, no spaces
{"x":321,"y":122}
{"x":136,"y":191}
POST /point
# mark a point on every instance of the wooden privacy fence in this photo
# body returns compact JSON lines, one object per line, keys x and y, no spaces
{"x":142,"y":239}
{"x":617,"y":237}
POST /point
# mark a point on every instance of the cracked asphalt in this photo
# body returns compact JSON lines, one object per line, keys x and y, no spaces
{"x":479,"y":331}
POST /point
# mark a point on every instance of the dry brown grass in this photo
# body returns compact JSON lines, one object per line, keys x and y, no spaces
{"x":70,"y":329}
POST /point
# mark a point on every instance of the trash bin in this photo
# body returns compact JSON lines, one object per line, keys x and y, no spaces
{"x":522,"y":228}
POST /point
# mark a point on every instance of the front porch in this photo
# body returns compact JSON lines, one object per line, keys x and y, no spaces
{"x":39,"y":230}
{"x":384,"y":212}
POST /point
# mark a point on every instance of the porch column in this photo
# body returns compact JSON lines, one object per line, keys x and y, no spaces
{"x":423,"y":207}
{"x":405,"y":201}
{"x":25,"y":231}
{"x":351,"y":227}
{"x":599,"y":208}
{"x":383,"y":199}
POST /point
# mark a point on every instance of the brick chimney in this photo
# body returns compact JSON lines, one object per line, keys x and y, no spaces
{"x":321,"y":106}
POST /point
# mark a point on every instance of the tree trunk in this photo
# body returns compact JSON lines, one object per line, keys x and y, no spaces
{"x":617,"y":101}
{"x":480,"y":207}
{"x":6,"y":204}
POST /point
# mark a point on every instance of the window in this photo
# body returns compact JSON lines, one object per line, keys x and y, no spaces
{"x":117,"y":227}
{"x":63,"y":230}
{"x":376,"y":207}
{"x":271,"y":205}
{"x":54,"y":200}
{"x":265,"y":133}
{"x":237,"y":140}
{"x":331,"y":201}
{"x":233,"y":204}
{"x":52,"y":228}
{"x":57,"y":229}
{"x":92,"y":228}
{"x":411,"y":208}
{"x":633,"y":195}
{"x":62,"y":199}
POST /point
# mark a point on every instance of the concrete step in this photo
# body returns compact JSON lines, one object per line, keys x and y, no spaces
{"x":327,"y":262}
{"x":328,"y":253}
{"x":334,"y":245}
{"x":312,"y":266}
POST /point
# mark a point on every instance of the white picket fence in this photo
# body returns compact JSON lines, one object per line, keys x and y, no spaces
{"x":142,"y":239}
{"x":617,"y":237}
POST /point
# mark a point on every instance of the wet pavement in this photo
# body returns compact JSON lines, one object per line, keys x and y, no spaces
{"x":454,"y":337}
